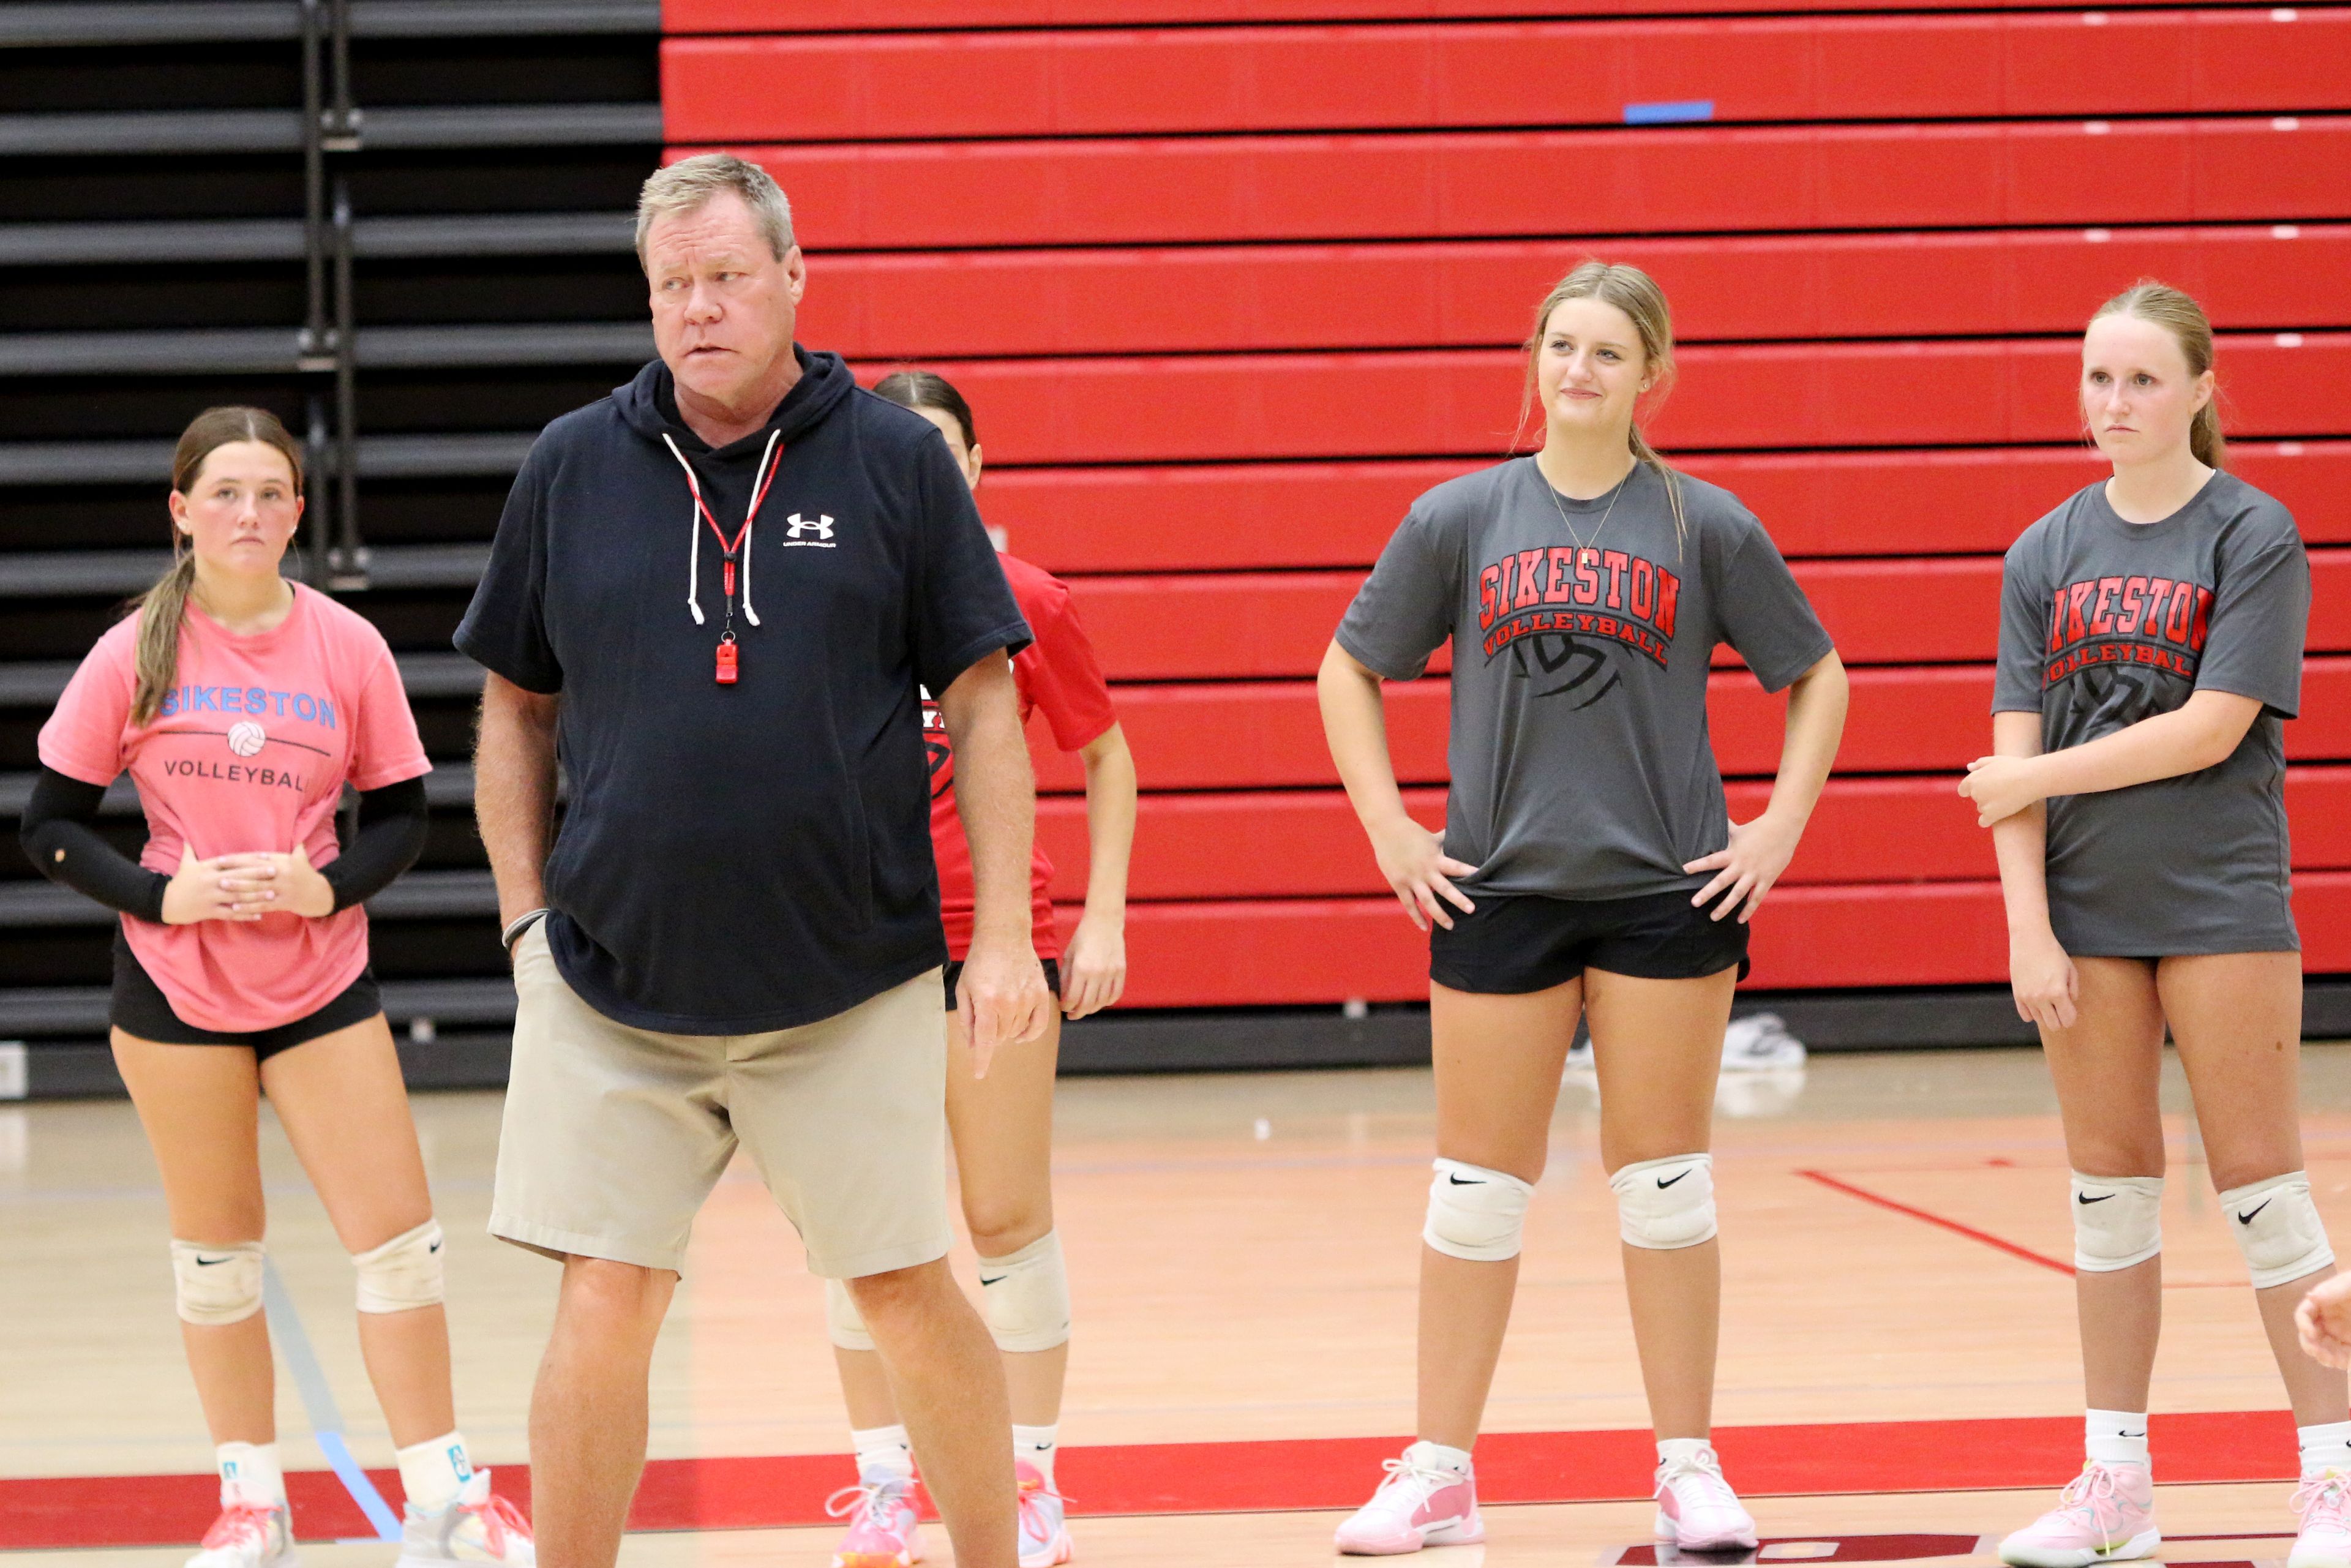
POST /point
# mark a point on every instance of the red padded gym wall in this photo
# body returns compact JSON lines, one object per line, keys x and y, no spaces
{"x":1229,"y":281}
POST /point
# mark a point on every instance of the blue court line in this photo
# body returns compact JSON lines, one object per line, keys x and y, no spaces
{"x":1677,"y":112}
{"x":318,"y":1402}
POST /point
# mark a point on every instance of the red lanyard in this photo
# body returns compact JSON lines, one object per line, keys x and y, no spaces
{"x":729,"y":661}
{"x":727,"y":550}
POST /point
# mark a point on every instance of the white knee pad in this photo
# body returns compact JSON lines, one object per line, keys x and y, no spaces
{"x":1475,"y":1214}
{"x":1024,"y":1296}
{"x":1666,"y":1204}
{"x":404,"y":1273}
{"x":2278,"y":1230}
{"x":843,"y":1324}
{"x":217,"y":1285}
{"x":2117,"y":1221}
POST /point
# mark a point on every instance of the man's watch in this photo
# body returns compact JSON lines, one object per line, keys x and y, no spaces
{"x":520,"y":923}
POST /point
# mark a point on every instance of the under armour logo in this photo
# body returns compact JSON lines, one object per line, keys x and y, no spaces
{"x":820,"y":524}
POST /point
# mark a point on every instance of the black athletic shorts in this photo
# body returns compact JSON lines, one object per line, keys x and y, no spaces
{"x":1515,"y":943}
{"x":1052,"y":978}
{"x":140,"y":1008}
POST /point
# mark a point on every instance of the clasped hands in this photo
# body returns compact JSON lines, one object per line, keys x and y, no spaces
{"x":243,"y":887}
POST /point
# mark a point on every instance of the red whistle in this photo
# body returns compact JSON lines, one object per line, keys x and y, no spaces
{"x":730,"y":577}
{"x":727,"y":663}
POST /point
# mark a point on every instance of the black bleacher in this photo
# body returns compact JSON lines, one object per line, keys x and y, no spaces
{"x":404,"y":226}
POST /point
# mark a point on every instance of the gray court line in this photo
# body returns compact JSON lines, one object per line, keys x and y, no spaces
{"x":319,"y":1401}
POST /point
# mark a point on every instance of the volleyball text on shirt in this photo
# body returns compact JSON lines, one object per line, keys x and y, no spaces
{"x":2147,"y":621}
{"x":1558,"y":595}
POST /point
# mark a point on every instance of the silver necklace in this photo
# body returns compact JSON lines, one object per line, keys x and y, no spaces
{"x":1614,"y":495}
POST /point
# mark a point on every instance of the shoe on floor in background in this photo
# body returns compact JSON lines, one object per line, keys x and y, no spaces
{"x":1760,"y":1042}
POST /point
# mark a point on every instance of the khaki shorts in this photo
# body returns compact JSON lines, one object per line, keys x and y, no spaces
{"x":613,"y":1136}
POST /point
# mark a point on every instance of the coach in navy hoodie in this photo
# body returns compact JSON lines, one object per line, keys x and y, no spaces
{"x":718,"y":594}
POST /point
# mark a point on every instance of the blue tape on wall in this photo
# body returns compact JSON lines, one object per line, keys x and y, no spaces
{"x":1678,"y":113}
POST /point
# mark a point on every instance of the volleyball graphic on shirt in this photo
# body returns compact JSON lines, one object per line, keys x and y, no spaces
{"x":245,"y":737}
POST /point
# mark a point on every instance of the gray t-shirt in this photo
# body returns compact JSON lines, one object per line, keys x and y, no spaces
{"x":1579,"y":756}
{"x":2105,"y":623}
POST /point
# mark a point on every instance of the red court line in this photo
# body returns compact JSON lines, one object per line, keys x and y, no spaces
{"x":1970,"y":1231}
{"x":775,"y":1491}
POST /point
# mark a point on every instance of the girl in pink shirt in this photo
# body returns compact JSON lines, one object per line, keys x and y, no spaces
{"x":241,"y":704}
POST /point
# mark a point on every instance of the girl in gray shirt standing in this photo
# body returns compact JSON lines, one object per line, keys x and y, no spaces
{"x":2151,"y":650}
{"x":1588,"y":865}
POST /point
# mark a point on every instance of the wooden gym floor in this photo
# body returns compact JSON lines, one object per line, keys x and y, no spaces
{"x":1898,"y":1379}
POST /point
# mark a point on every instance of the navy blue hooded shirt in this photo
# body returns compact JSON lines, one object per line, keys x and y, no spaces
{"x":754,"y":856}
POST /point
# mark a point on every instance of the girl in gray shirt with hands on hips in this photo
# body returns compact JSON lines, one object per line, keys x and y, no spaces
{"x":1588,"y":865}
{"x":2151,"y":650}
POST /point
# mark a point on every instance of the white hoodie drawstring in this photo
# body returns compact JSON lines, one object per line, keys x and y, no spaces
{"x":765,"y":476}
{"x":760,"y":494}
{"x":694,"y":521}
{"x":694,"y":526}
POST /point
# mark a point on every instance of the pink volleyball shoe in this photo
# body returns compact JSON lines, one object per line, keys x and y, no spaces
{"x":885,"y":1531}
{"x":2105,"y":1514}
{"x":1044,"y":1514}
{"x":1421,"y":1503}
{"x":248,"y":1535}
{"x":2325,"y":1540}
{"x":1697,"y":1509}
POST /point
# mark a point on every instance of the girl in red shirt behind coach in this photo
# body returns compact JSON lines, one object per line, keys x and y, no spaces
{"x":1003,"y":1124}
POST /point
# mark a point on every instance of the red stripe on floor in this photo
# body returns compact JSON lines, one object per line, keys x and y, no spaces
{"x":1970,"y":1231}
{"x":773,"y":1491}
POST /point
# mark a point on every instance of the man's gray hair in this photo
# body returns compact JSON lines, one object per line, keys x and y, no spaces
{"x":686,"y":185}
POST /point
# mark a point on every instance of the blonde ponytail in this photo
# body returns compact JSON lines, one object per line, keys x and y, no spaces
{"x":162,"y":609}
{"x":2204,"y":437}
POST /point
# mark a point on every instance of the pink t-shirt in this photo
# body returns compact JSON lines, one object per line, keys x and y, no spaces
{"x":250,"y":753}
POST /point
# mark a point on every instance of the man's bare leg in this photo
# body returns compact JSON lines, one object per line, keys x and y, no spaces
{"x":949,"y":1385}
{"x":588,"y":1412}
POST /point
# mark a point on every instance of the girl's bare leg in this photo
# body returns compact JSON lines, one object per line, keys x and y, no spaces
{"x":1498,"y":1062}
{"x":2107,"y":1069}
{"x":1656,"y":1046}
{"x":344,"y":1108}
{"x":1003,"y":1130}
{"x":200,"y":1106}
{"x":2237,"y":1017}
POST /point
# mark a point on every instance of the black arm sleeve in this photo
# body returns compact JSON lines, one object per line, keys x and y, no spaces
{"x":61,"y":839}
{"x":391,"y":835}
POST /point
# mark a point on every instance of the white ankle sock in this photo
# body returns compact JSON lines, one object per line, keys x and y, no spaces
{"x":2115,"y":1436}
{"x":1437,"y":1454}
{"x":249,"y":1472}
{"x":433,"y":1473}
{"x":1682,"y":1450}
{"x":2325,"y":1447}
{"x":1036,"y":1444}
{"x":883,"y":1451}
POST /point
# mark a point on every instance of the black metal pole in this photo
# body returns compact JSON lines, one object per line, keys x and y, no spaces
{"x":314,"y":181}
{"x":312,"y":345}
{"x":346,"y":120}
{"x":319,"y":518}
{"x":350,"y":556}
